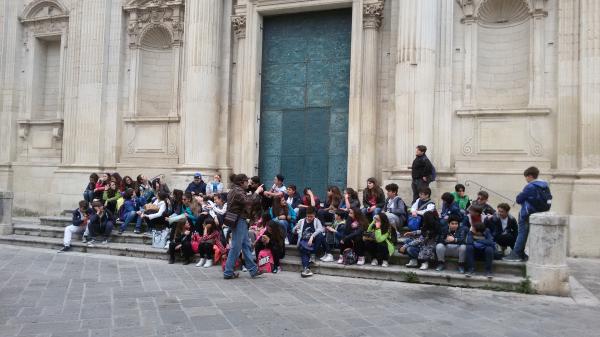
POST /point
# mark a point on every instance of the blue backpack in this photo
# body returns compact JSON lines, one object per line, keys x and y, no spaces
{"x":544,"y":199}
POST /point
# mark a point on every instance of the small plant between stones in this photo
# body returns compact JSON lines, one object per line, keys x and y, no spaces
{"x":411,"y":277}
{"x":525,"y":287}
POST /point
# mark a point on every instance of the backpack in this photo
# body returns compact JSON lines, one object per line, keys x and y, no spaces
{"x":349,"y":256}
{"x":265,"y":261}
{"x":195,"y":242}
{"x":159,"y":238}
{"x":414,"y":223}
{"x":433,"y":171}
{"x":544,"y":199}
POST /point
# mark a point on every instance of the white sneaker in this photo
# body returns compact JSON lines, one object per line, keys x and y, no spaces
{"x":412,"y":263}
{"x":201,"y":262}
{"x":208,"y":263}
{"x":361,"y":260}
{"x":385,"y":264}
{"x":313,"y":258}
{"x":167,"y":245}
{"x":244,"y":269}
{"x":340,"y":260}
{"x":424,"y":266}
{"x":327,"y":258}
{"x":287,"y":241}
{"x":374,"y":262}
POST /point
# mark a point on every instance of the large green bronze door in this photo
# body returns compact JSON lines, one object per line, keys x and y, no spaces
{"x":304,"y":99}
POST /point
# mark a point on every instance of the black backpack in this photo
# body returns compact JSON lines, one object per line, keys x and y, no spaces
{"x":544,"y":199}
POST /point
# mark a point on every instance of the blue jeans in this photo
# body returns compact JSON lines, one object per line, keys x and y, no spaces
{"x":285,"y":226}
{"x":365,"y":211}
{"x":486,"y":253}
{"x":522,"y":235}
{"x":305,"y":256}
{"x":413,"y":251}
{"x":240,"y":242}
{"x":130,"y":217}
{"x":88,"y":195}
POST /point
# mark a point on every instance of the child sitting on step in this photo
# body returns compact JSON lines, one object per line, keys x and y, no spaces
{"x":421,"y":245}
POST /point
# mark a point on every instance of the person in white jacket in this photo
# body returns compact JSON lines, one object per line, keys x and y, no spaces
{"x":156,"y":219}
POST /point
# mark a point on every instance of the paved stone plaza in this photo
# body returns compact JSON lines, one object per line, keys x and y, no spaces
{"x":47,"y":294}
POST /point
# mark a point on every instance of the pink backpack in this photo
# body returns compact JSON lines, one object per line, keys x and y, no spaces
{"x":265,"y":261}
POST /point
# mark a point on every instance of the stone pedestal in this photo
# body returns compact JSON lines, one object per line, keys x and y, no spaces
{"x":547,"y":264}
{"x":6,"y":226}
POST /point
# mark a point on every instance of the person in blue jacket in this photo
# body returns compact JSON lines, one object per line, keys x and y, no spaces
{"x":531,"y":201}
{"x":128,"y":211}
{"x":480,"y":244}
{"x":198,"y":186}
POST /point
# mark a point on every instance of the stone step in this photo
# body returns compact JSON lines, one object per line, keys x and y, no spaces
{"x":403,"y":274}
{"x":63,"y":221}
{"x":58,"y":232}
{"x":499,"y":266}
{"x":290,"y":263}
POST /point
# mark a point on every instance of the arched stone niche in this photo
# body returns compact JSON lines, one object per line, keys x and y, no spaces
{"x":155,"y":33}
{"x":45,"y":32}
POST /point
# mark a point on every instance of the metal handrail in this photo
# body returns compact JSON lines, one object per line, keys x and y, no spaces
{"x":481,"y":187}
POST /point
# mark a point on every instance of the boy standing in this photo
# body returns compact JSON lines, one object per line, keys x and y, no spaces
{"x":534,"y":198}
{"x":422,"y":171}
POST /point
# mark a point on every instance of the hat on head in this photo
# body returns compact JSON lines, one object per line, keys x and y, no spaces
{"x":197,"y":175}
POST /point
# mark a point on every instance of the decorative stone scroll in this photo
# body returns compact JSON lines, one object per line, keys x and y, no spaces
{"x":373,"y":14}
{"x":146,"y":14}
{"x":238,"y":23}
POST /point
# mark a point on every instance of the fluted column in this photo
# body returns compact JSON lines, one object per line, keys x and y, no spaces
{"x":86,"y":84}
{"x":372,"y":17}
{"x":201,"y":103}
{"x":590,"y":85}
{"x":415,"y":77}
{"x":238,"y":23}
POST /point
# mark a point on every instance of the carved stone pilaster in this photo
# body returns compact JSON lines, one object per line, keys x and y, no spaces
{"x":238,"y":23}
{"x":372,"y":15}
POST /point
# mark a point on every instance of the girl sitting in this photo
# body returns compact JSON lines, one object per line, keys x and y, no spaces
{"x":111,"y":198}
{"x":380,"y":245}
{"x":421,"y":246}
{"x":350,"y":200}
{"x":373,"y":199}
{"x":129,"y":211}
{"x":308,"y":200}
{"x":356,"y":224}
{"x":334,"y":199}
{"x":284,"y":215}
{"x":271,"y":239}
{"x":210,"y":237}
{"x":180,"y":240}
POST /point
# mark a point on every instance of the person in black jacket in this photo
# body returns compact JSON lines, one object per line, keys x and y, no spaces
{"x":373,"y":199}
{"x":198,"y":186}
{"x":79,"y":224}
{"x":101,"y":223}
{"x":422,"y":171}
{"x":272,"y":239}
{"x":503,"y":227}
{"x":451,"y":241}
{"x":180,"y":239}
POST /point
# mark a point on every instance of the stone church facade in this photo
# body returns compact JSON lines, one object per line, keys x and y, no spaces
{"x":175,"y":87}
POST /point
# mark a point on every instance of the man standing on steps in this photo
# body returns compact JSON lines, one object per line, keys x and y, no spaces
{"x":422,"y":171}
{"x":81,"y":217}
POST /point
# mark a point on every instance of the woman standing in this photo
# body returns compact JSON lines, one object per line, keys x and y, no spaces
{"x":239,"y":203}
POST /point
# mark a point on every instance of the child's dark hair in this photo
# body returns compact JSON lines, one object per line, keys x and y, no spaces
{"x":532,"y":172}
{"x":459,"y":187}
{"x":430,"y":226}
{"x":385,"y":223}
{"x":210,"y":221}
{"x":392,"y":188}
{"x":94,"y":176}
{"x":426,"y":191}
{"x":422,"y":148}
{"x":310,"y":210}
{"x":255,"y":179}
{"x":483,"y":194}
{"x":352,"y":193}
{"x":265,"y":218}
{"x":280,"y":177}
{"x":163,"y":195}
{"x":448,"y":198}
{"x":342,"y":214}
{"x":275,"y":230}
{"x":479,"y":227}
{"x":475,"y":208}
{"x":504,"y":206}
{"x":84,"y":204}
{"x":292,"y":187}
{"x":128,"y":193}
{"x":454,"y":217}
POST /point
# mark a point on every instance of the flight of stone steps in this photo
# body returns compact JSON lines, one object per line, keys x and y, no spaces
{"x":47,"y":232}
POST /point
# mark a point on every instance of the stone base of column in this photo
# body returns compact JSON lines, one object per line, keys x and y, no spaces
{"x":547,"y":264}
{"x":6,"y":226}
{"x":6,"y":174}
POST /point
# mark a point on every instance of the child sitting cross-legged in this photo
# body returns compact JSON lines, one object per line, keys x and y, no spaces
{"x":379,"y":240}
{"x":480,"y":245}
{"x":421,"y":243}
{"x":352,"y":237}
{"x":210,"y":237}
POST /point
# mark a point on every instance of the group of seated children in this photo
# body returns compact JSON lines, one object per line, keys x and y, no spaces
{"x":464,"y":229}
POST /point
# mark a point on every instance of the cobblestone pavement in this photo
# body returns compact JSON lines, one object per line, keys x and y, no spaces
{"x":47,"y":294}
{"x":587,"y":272}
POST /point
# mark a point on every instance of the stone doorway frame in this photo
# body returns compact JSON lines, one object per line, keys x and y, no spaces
{"x":247,"y":26}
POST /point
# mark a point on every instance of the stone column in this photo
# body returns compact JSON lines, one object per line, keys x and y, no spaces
{"x":372,"y":17}
{"x":537,"y":94}
{"x":238,"y":23}
{"x":547,"y":264}
{"x":415,"y":77}
{"x":6,"y":226}
{"x":201,"y":102}
{"x":590,"y":86}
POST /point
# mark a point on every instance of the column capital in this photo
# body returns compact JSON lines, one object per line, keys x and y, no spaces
{"x":372,"y":15}
{"x":238,"y":23}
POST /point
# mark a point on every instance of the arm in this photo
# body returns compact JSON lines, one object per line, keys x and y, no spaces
{"x":380,"y":200}
{"x":160,"y":212}
{"x":527,"y":194}
{"x":77,"y":219}
{"x":381,"y":237}
{"x":355,"y":234}
{"x":430,"y":208}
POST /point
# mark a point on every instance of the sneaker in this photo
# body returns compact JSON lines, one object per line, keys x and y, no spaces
{"x":340,"y":260}
{"x":313,"y":258}
{"x":208,"y":263}
{"x":306,"y":273}
{"x":258,"y":273}
{"x":65,"y":249}
{"x":231,"y":277}
{"x":167,"y":244}
{"x":201,"y":262}
{"x":171,"y":260}
{"x":275,"y":270}
{"x":287,"y":241}
{"x":91,"y":243}
{"x":105,"y":242}
{"x":186,"y":262}
{"x":327,"y":258}
{"x":84,"y":239}
{"x":424,"y":266}
{"x":244,"y":269}
{"x":120,"y":232}
{"x":412,"y":263}
{"x":374,"y":262}
{"x":137,"y":231}
{"x":441,"y":266}
{"x":385,"y":264}
{"x":470,"y":273}
{"x":512,"y":257}
{"x":361,"y":260}
{"x":489,"y":275}
{"x":461,"y":269}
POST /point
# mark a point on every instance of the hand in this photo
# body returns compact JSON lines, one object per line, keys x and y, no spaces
{"x":282,"y":217}
{"x":414,"y":213}
{"x":309,"y":192}
{"x":402,"y":249}
{"x":177,"y":247}
{"x":371,"y":209}
{"x":186,"y":215}
{"x":424,"y":179}
{"x":187,"y":232}
{"x":265,"y":239}
{"x":407,"y":234}
{"x":260,"y":189}
{"x":450,"y":238}
{"x":341,"y":242}
{"x":310,"y":242}
{"x":138,"y":212}
{"x":378,"y":225}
